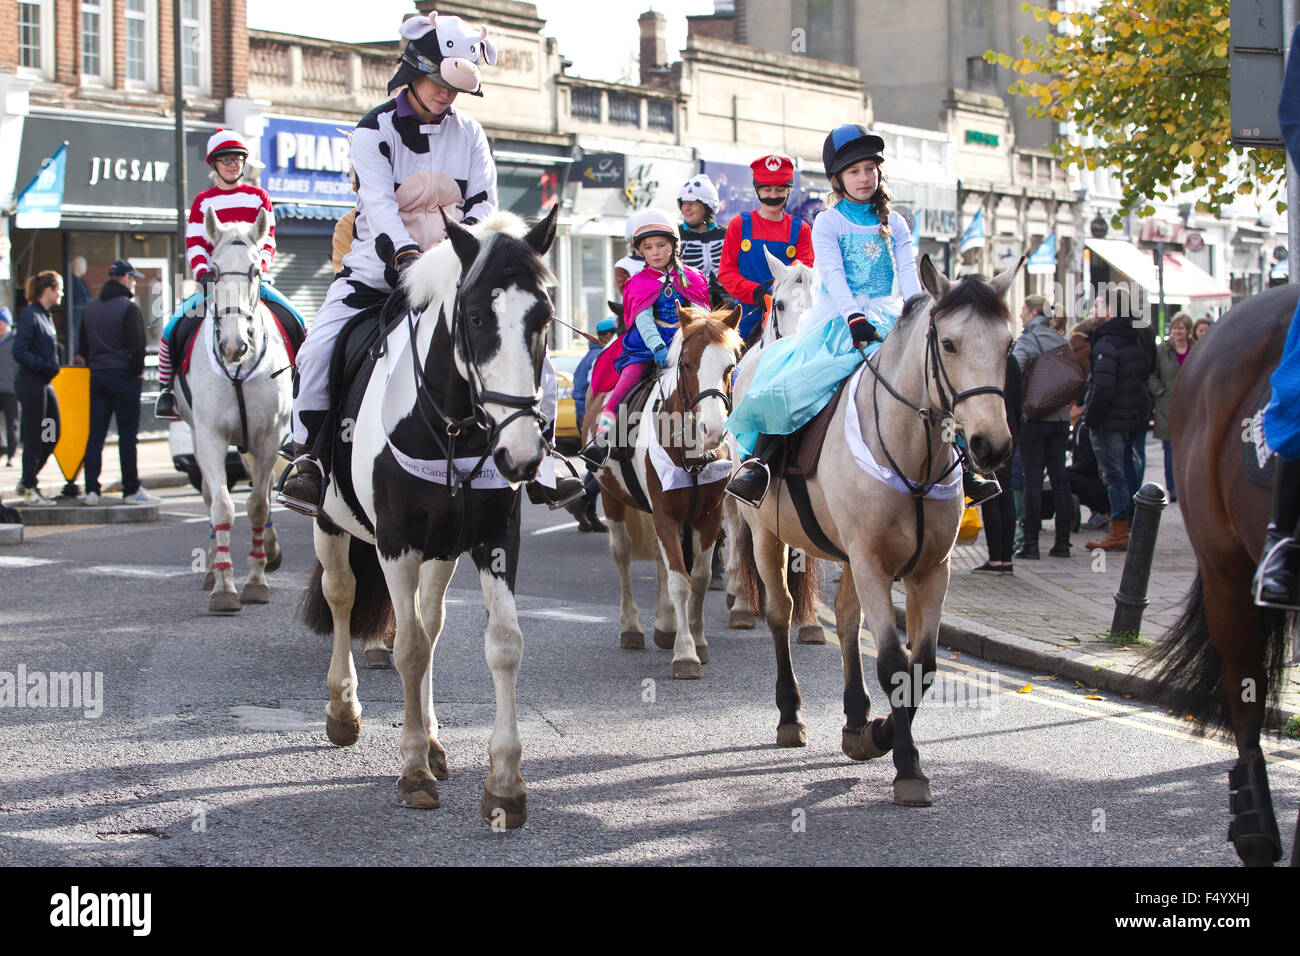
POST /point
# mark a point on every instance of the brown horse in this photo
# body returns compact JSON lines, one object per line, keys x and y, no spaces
{"x":1223,"y":661}
{"x":679,"y":434}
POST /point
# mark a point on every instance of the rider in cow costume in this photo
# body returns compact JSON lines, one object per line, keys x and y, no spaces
{"x":411,"y":157}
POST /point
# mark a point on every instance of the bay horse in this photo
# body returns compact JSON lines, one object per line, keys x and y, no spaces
{"x":941,"y":370}
{"x":1222,"y":662}
{"x":238,"y":396}
{"x":442,"y":428}
{"x":792,"y":297}
{"x":679,"y":436}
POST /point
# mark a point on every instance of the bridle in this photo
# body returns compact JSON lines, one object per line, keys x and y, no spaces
{"x":255,"y":348}
{"x":689,"y":404}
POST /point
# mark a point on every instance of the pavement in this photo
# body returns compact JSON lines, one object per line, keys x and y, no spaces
{"x":1052,"y":616}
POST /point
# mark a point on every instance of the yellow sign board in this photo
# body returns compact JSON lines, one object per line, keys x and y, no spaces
{"x":72,"y":388}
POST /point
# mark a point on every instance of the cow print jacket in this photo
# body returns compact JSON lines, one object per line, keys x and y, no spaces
{"x":390,"y":145}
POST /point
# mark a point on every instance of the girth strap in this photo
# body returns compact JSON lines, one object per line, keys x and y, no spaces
{"x":634,"y":487}
{"x":798,"y":486}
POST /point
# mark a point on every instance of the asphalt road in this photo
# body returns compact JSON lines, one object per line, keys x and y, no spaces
{"x":210,"y":748}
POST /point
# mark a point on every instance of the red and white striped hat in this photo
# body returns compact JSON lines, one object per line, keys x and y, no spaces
{"x":225,"y":141}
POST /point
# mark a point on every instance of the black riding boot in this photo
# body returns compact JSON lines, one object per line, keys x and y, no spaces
{"x":165,"y":406}
{"x":1277,"y":583}
{"x":978,"y":488}
{"x":751,"y":481}
{"x":303,"y":489}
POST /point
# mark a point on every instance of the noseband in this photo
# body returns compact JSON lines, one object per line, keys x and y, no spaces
{"x":688,"y":406}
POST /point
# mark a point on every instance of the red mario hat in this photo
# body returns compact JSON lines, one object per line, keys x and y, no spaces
{"x":773,"y":170}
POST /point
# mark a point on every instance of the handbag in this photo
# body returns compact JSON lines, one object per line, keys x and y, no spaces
{"x":1054,"y":381}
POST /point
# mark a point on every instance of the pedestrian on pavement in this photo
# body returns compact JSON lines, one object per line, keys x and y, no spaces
{"x":1085,"y":480}
{"x":1170,"y":356}
{"x":112,"y":345}
{"x":36,"y":350}
{"x":80,"y":296}
{"x":1117,"y":408}
{"x":585,"y":510}
{"x":999,"y":513}
{"x":1045,"y":439}
{"x":743,"y":269}
{"x":702,"y":237}
{"x":1201,"y":327}
{"x":8,"y":400}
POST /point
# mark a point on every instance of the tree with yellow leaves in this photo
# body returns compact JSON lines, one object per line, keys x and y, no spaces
{"x":1148,"y":79}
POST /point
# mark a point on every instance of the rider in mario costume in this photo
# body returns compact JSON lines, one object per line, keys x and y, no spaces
{"x":744,"y":271}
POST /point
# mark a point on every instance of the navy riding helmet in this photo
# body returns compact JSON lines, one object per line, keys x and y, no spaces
{"x":849,"y":144}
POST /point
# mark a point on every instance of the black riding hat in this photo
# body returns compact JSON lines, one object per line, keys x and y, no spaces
{"x":849,"y":144}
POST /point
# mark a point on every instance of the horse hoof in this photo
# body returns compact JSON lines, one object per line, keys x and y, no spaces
{"x":792,"y":735}
{"x":274,"y":561}
{"x":716,"y":583}
{"x":223,"y":602}
{"x":438,"y":760}
{"x":812,"y":634}
{"x":343,"y":733}
{"x":504,"y":813}
{"x":665,"y":639}
{"x":859,"y":745}
{"x":417,"y":793}
{"x":631,"y":640}
{"x":702,"y":652}
{"x":912,"y":792}
{"x":742,"y":620}
{"x":378,"y":658}
{"x":686,"y":669}
{"x":731,"y":600}
{"x":209,"y":581}
{"x":255,"y":594}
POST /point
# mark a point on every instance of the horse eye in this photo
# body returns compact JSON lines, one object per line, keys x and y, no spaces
{"x":949,"y":347}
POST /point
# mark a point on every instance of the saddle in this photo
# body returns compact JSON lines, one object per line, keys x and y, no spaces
{"x":803,"y":449}
{"x":633,"y":404}
{"x":183,"y":338}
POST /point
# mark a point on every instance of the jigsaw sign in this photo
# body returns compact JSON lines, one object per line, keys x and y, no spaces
{"x":305,"y":161}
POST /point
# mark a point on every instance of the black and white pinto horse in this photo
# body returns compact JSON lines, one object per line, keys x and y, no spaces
{"x":456,"y":390}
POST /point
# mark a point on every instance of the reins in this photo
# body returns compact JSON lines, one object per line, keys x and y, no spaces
{"x":238,"y":378}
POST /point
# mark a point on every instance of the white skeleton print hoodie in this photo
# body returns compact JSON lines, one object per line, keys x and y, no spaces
{"x":448,"y":161}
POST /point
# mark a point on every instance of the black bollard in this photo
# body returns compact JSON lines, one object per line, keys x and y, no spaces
{"x":1131,"y":598}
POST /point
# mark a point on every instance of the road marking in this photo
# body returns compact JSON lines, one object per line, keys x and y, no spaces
{"x":131,"y":571}
{"x":273,"y":719}
{"x":559,"y":527}
{"x":15,"y":562}
{"x":558,"y":615}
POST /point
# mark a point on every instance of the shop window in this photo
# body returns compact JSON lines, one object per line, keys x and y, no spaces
{"x":35,"y":38}
{"x":96,"y":42}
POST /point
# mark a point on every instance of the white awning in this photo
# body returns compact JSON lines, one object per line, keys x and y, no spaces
{"x":1184,"y":280}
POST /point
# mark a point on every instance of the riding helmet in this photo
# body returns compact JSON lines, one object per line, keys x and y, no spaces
{"x":226,"y":142}
{"x":647,"y":223}
{"x":699,"y":189}
{"x":849,"y":144}
{"x":445,"y":49}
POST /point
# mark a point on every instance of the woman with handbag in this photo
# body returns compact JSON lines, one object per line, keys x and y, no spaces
{"x":1052,"y":380}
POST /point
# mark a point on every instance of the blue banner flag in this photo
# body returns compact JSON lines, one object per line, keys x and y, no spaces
{"x":40,"y":204}
{"x":973,"y":237}
{"x":1042,"y":261}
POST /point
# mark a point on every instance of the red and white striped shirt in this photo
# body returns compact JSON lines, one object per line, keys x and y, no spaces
{"x":241,"y":204}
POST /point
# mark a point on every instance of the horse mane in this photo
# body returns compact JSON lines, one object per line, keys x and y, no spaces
{"x":434,"y":275}
{"x":714,"y":326}
{"x":969,"y":291}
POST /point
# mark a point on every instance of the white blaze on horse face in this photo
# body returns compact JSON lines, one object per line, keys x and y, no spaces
{"x":711,"y":413}
{"x":510,"y":371}
{"x":236,"y":257}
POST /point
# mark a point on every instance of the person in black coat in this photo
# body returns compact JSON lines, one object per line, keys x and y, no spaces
{"x":36,"y":351}
{"x":1117,"y":407}
{"x":999,"y":513}
{"x":111,"y":343}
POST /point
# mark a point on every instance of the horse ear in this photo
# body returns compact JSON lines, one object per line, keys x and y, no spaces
{"x":685,"y":316}
{"x":542,"y":235}
{"x":932,"y":280}
{"x":210,"y":225}
{"x":776,"y":265}
{"x":732,"y":321}
{"x":1002,"y":283}
{"x":462,"y":240}
{"x":261,"y":227}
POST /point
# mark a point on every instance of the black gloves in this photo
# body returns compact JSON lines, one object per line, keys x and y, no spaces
{"x":863,"y":332}
{"x":760,"y":297}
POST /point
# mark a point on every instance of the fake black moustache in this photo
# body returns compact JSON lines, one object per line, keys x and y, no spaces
{"x":769,"y":201}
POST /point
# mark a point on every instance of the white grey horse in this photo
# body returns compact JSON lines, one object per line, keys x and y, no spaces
{"x":947,"y":356}
{"x":238,"y":399}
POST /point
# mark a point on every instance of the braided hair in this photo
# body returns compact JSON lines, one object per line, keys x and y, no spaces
{"x":880,"y":200}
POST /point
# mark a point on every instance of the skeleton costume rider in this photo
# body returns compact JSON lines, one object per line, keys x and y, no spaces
{"x":414,"y":145}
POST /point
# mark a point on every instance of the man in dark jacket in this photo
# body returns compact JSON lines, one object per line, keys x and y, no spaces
{"x":111,"y":342}
{"x":1117,"y":407}
{"x":8,"y":399}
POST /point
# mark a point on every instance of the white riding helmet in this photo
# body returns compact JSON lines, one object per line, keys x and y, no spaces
{"x":646,"y":223}
{"x":699,"y":189}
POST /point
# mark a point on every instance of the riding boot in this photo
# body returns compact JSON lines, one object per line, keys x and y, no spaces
{"x":976,"y":487}
{"x":567,"y":491}
{"x":165,"y":406}
{"x":752,"y":480}
{"x":594,"y":453}
{"x":303,"y":489}
{"x":1277,"y":583}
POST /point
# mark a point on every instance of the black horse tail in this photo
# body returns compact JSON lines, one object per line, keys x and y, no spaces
{"x":1188,"y":667}
{"x":372,"y":609}
{"x":802,"y":579}
{"x":751,"y":584}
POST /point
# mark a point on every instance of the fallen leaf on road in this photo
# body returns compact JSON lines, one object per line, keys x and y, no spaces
{"x":1092,"y":697}
{"x":1128,"y":696}
{"x":1046,"y":677}
{"x":956,"y":655}
{"x":1026,"y":689}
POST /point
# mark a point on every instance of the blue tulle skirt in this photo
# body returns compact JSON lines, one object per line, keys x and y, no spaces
{"x":1282,"y":416}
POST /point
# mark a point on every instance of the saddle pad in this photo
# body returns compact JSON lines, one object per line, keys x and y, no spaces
{"x":290,"y":330}
{"x":1258,"y":462}
{"x":807,"y":441}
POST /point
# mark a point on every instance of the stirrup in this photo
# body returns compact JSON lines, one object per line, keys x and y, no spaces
{"x":1257,"y":586}
{"x":310,"y":510}
{"x":753,"y":464}
{"x":595,"y":454}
